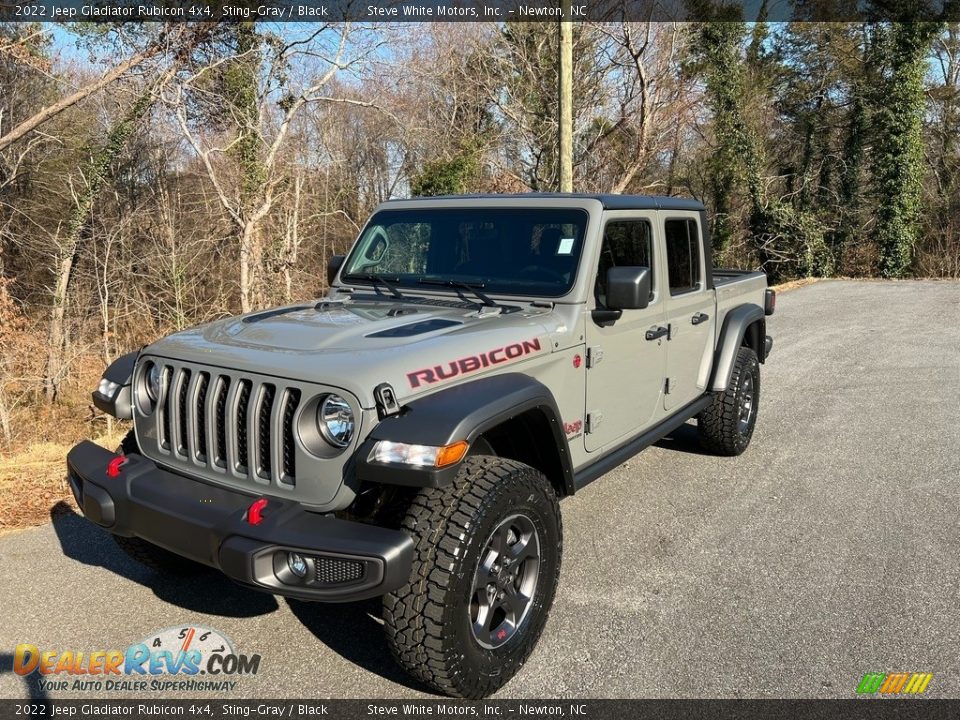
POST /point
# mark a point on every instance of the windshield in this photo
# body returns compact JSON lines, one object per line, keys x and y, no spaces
{"x":505,"y":251}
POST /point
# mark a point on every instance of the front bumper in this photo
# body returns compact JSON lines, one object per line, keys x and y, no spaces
{"x":346,"y":560}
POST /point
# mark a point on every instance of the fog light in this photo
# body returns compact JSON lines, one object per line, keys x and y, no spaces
{"x":297,"y":565}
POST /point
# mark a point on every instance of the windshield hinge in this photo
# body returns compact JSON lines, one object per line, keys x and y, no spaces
{"x":386,"y":400}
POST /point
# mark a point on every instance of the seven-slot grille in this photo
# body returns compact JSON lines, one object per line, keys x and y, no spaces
{"x":240,"y":425}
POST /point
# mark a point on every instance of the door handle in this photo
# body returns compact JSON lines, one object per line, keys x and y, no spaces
{"x":657,"y":332}
{"x":699,"y":318}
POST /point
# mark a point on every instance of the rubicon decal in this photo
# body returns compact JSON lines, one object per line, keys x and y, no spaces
{"x":472,"y":363}
{"x":143,"y":666}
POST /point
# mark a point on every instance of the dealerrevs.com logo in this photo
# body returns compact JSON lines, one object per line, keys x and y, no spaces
{"x":894,"y":683}
{"x":186,"y":658}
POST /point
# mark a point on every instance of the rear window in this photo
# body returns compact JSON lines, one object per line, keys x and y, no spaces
{"x":683,"y":255}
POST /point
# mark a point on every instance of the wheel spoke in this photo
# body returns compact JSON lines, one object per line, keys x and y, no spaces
{"x":523,"y":549}
{"x":514,"y":602}
{"x":500,"y":540}
{"x":485,"y":574}
{"x":481,"y":626}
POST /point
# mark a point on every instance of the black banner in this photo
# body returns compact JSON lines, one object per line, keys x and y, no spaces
{"x":474,"y":10}
{"x":455,"y":709}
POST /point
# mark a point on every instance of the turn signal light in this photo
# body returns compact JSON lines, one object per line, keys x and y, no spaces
{"x":451,"y":454}
{"x":386,"y":451}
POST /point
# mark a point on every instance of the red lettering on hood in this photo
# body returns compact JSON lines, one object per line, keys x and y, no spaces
{"x":472,"y":363}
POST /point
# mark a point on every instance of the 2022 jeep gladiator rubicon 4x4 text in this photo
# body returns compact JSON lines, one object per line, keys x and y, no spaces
{"x":409,"y":435}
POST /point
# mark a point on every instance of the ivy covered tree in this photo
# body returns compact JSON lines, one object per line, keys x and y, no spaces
{"x":899,"y":104}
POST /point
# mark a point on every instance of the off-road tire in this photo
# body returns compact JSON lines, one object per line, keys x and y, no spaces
{"x":719,"y":425}
{"x":148,"y":554}
{"x":428,"y":622}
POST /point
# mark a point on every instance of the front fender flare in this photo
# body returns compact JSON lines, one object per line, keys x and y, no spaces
{"x":462,"y":412}
{"x":120,"y":404}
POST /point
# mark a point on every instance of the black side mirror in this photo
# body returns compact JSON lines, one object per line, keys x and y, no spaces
{"x":333,"y":267}
{"x":628,"y":288}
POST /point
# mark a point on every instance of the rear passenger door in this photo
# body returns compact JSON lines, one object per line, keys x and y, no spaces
{"x":690,"y":311}
{"x":625,"y":371}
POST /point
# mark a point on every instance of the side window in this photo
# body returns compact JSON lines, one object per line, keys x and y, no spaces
{"x":683,"y":255}
{"x":625,"y":242}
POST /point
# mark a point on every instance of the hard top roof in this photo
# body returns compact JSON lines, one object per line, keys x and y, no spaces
{"x":609,"y":201}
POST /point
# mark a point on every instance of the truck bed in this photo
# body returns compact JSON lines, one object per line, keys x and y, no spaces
{"x":724,"y":276}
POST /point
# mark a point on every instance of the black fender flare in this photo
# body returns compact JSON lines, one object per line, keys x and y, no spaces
{"x":735,"y":326}
{"x":461,"y":412}
{"x":120,"y":371}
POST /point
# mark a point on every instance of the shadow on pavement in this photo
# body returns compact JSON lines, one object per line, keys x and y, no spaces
{"x":32,"y":681}
{"x":209,"y":592}
{"x":683,"y":439}
{"x":354,"y":631}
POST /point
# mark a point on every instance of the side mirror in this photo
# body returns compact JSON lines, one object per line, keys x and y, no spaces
{"x":333,"y":267}
{"x":628,"y":288}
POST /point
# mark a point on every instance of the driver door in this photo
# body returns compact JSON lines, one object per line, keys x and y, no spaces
{"x":626,"y":371}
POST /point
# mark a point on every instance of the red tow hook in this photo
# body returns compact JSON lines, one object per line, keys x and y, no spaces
{"x":255,"y":511}
{"x":113,"y":467}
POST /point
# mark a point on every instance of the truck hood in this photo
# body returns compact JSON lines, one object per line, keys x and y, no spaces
{"x":359,"y":344}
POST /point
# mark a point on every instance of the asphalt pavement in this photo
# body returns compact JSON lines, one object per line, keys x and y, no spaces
{"x":829,"y":549}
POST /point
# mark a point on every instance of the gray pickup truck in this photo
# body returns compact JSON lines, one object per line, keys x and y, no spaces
{"x":409,"y":435}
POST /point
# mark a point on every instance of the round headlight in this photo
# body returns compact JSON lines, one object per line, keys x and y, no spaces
{"x":154,"y":380}
{"x":336,"y":421}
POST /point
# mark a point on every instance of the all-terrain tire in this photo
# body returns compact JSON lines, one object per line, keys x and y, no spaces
{"x":146,"y":553}
{"x":726,"y":425}
{"x":431,"y":623}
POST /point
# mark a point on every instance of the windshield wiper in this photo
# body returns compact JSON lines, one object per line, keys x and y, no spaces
{"x":376,"y":278}
{"x":469,"y":287}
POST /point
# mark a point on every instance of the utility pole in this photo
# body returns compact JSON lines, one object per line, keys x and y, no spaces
{"x":566,"y":98}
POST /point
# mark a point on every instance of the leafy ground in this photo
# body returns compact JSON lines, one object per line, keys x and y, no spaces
{"x":33,"y":481}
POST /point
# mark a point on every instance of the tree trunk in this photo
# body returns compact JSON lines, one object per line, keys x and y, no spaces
{"x":251,"y":267}
{"x":95,"y":171}
{"x":56,"y":335}
{"x":5,"y":433}
{"x":292,"y":241}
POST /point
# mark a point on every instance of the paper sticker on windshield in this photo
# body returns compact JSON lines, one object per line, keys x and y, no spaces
{"x":565,"y":247}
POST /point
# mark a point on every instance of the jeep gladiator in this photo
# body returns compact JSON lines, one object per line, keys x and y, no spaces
{"x":409,"y":435}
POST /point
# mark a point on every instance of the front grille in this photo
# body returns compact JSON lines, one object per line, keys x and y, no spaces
{"x":243,"y":448}
{"x":289,"y":456}
{"x":335,"y":571}
{"x":263,"y":429}
{"x":201,"y":414}
{"x":242,"y":425}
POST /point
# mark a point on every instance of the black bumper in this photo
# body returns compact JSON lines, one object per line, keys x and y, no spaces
{"x":346,"y":560}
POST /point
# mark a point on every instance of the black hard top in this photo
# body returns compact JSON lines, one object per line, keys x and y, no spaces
{"x":609,"y":201}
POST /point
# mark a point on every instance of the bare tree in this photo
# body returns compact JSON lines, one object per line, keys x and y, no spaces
{"x":244,"y":164}
{"x":651,"y":105}
{"x":171,"y":35}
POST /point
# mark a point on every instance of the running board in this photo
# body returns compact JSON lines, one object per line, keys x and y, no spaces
{"x":591,"y":472}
